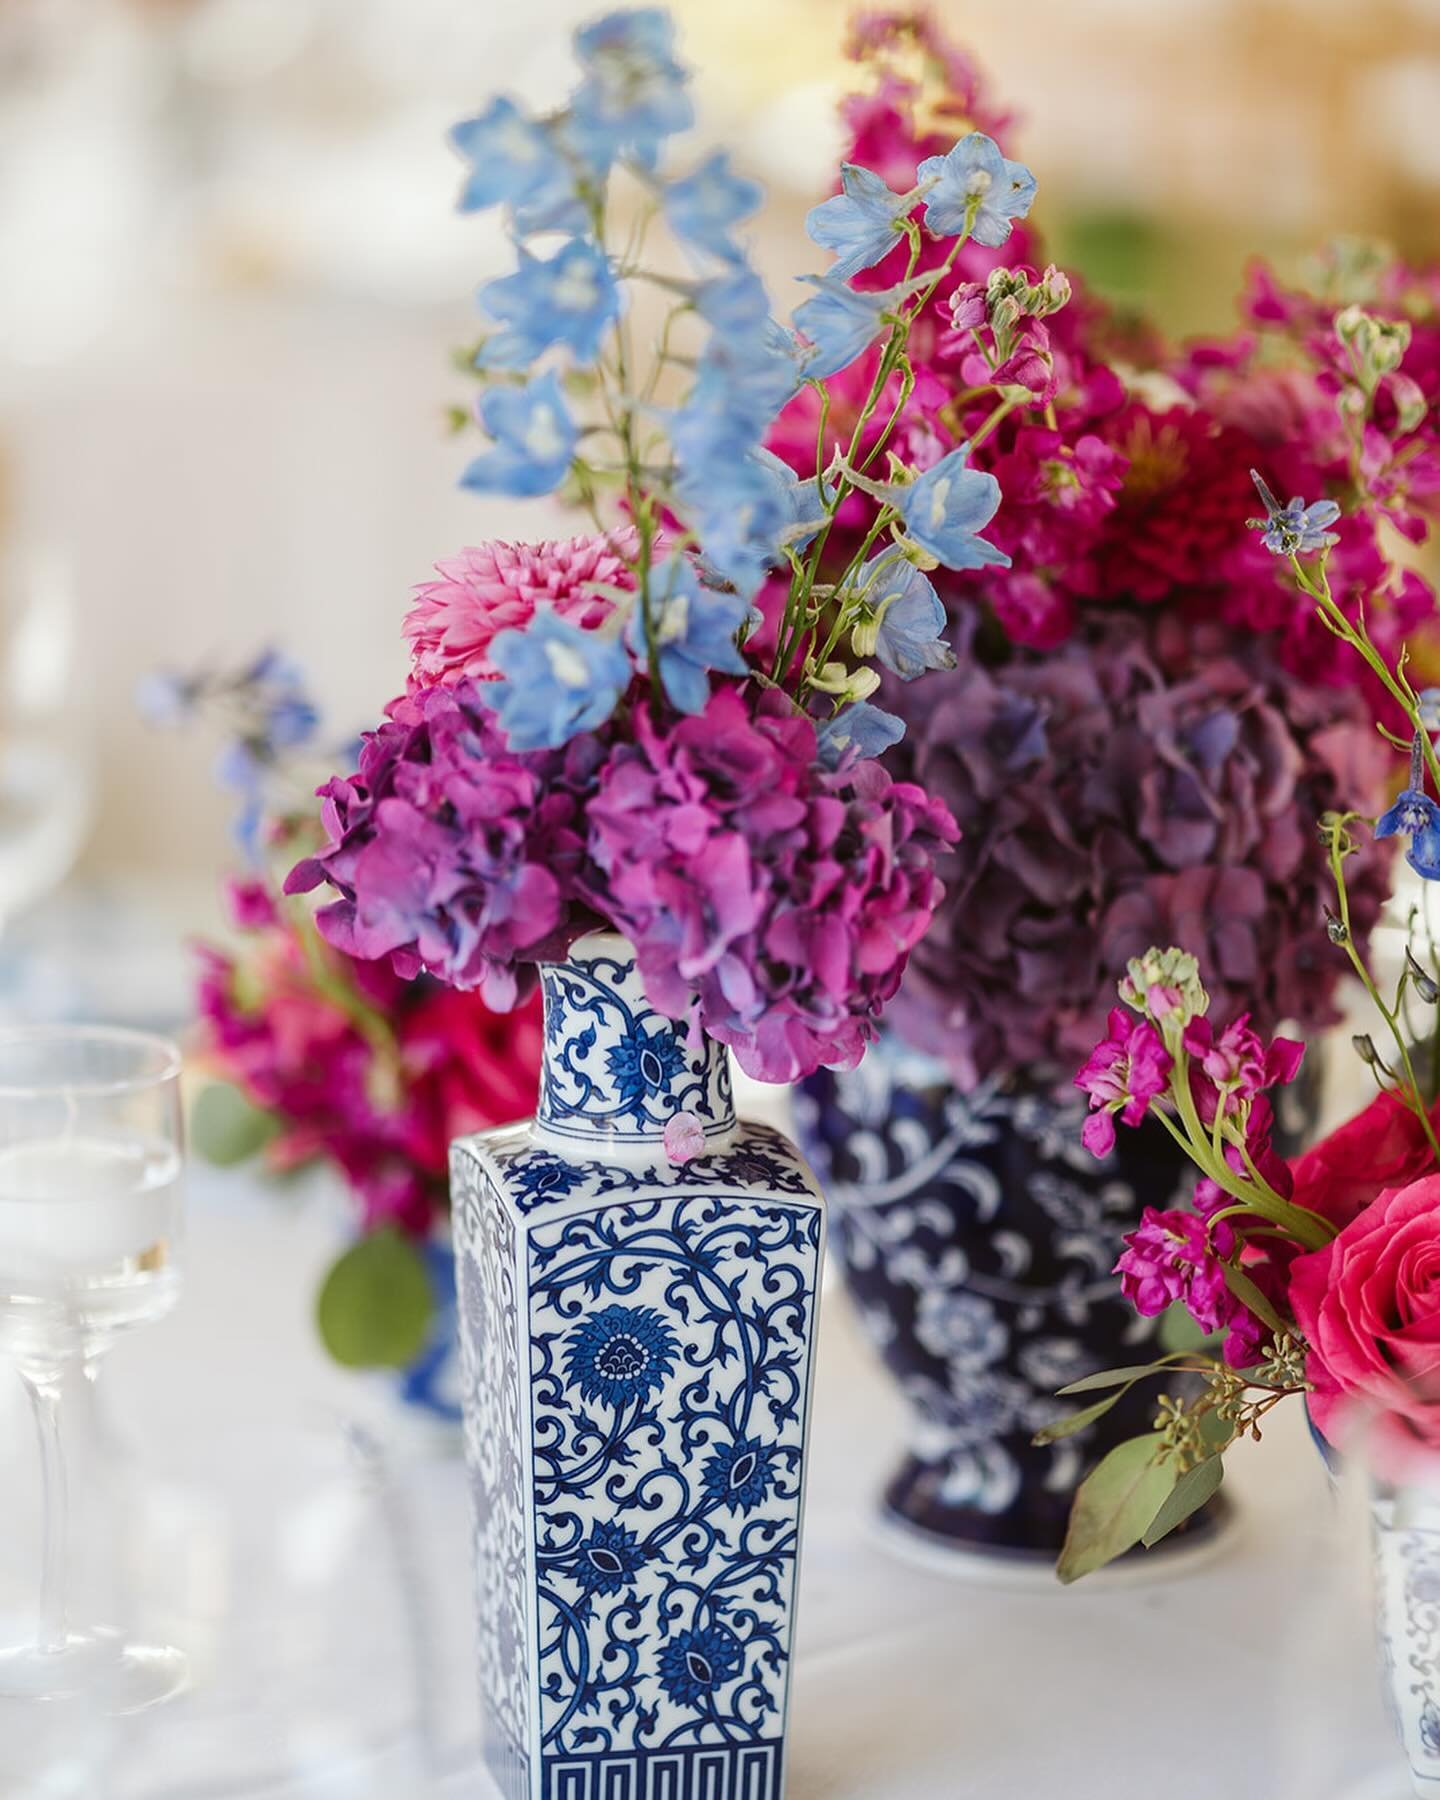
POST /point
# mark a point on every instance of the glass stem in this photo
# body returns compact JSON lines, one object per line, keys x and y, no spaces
{"x":53,"y":1631}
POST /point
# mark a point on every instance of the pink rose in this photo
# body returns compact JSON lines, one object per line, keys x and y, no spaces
{"x":1382,"y":1147}
{"x":1369,"y":1304}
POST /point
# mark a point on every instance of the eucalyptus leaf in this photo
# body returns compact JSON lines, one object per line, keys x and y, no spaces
{"x":1188,"y":1495}
{"x":1246,"y":1292}
{"x":1114,"y":1505}
{"x":1076,"y":1421}
{"x":1108,"y":1378}
{"x":226,"y":1128}
{"x":1218,"y":1433}
{"x":376,"y":1303}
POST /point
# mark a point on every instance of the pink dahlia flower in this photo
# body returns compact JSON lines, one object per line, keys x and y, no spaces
{"x":497,"y":587}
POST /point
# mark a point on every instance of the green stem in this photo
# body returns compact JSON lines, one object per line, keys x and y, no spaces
{"x":1413,"y":1097}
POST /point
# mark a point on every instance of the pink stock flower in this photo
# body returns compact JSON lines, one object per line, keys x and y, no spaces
{"x":381,"y":1106}
{"x":497,"y":587}
{"x":1128,"y":1069}
{"x":1237,"y":1064}
{"x":1174,"y":1256}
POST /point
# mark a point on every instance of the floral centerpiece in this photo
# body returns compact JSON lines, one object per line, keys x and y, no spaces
{"x":1146,"y":720}
{"x":315,"y":1057}
{"x":1315,"y":1279}
{"x":1143,"y":724}
{"x":643,"y":728}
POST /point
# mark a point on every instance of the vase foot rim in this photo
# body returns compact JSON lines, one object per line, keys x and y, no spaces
{"x":1034,"y":1570}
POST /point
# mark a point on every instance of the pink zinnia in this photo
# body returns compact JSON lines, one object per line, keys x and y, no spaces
{"x":497,"y":587}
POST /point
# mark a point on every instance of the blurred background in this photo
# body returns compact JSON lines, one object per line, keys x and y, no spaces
{"x":232,"y":280}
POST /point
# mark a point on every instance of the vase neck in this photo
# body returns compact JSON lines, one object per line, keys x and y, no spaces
{"x":616,"y":1071}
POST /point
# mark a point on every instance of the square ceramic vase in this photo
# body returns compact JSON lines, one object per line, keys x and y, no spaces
{"x":637,"y":1339}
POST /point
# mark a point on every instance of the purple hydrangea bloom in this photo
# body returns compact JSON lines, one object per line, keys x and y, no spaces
{"x":1131,"y":787}
{"x":450,"y":852}
{"x":783,"y":898}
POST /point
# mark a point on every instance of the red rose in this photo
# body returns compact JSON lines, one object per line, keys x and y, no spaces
{"x":1383,"y":1147}
{"x":1369,"y":1304}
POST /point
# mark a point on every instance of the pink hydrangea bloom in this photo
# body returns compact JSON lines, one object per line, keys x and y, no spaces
{"x":782,"y":897}
{"x":497,"y":587}
{"x":451,"y":853}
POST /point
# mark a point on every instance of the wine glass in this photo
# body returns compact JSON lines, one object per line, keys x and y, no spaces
{"x":90,"y":1224}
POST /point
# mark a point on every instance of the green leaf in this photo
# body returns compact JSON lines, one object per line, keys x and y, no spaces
{"x":1246,"y":1292}
{"x":1180,"y":1334}
{"x":1188,"y":1495}
{"x":1108,"y":1378}
{"x":1076,"y":1421}
{"x":226,"y":1128}
{"x":1218,"y":1433}
{"x":1114,"y":1505}
{"x":375,"y":1305}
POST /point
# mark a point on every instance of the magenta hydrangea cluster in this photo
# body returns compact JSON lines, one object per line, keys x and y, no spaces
{"x":783,"y":896}
{"x":772,"y":901}
{"x":450,"y":852}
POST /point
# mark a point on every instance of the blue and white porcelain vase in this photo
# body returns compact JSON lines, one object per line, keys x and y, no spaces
{"x":1405,"y":1525}
{"x":977,"y":1238}
{"x":637,"y":1343}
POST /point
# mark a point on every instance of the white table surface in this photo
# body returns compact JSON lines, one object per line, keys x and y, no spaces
{"x":909,"y":1684}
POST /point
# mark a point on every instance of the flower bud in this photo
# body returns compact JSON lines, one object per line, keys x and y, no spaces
{"x":1423,"y":984}
{"x":1364,"y":1047}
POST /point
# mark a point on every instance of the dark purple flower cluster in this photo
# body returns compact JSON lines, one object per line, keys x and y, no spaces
{"x":771,"y":901}
{"x":1133,"y":787}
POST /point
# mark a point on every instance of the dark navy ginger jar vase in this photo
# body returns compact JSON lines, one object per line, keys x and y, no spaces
{"x":977,"y":1237}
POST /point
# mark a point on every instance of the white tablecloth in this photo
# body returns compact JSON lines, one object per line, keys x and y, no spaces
{"x":908,"y":1684}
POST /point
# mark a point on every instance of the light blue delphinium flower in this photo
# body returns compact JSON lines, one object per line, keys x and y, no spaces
{"x":860,"y":728}
{"x":860,"y":225}
{"x":803,"y":508}
{"x":742,"y":381}
{"x":740,"y":515}
{"x":945,"y":508}
{"x":735,"y":305}
{"x":974,"y":172}
{"x":902,"y":618}
{"x":633,"y":95}
{"x":570,"y":299}
{"x":558,"y":680}
{"x":839,"y":323}
{"x":1429,"y":703}
{"x":1294,"y":529}
{"x":700,"y":208}
{"x":513,"y":162}
{"x":534,"y":440}
{"x":1415,"y":814}
{"x":694,"y":630}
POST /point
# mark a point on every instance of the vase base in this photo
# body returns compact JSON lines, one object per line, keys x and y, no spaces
{"x":1002,"y":1565}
